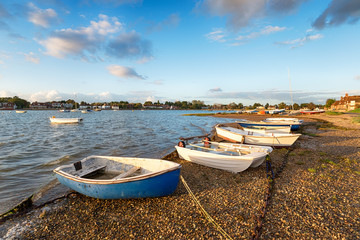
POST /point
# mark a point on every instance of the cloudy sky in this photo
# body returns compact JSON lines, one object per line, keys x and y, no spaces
{"x":217,"y":51}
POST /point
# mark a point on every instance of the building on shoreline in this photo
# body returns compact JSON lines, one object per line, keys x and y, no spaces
{"x":347,"y":103}
{"x":7,"y":106}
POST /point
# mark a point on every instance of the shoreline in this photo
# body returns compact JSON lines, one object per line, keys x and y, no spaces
{"x":317,"y":185}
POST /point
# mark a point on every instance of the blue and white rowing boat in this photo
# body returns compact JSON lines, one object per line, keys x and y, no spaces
{"x":108,"y":177}
{"x":295,"y":125}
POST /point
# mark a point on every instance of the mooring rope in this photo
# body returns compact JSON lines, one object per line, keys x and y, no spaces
{"x":207,"y":216}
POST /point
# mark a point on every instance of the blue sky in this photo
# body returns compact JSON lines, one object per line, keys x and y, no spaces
{"x":217,"y":51}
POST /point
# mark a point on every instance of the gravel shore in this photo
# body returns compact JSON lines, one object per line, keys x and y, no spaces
{"x":315,"y":196}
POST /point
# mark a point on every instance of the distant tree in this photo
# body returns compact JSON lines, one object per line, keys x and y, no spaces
{"x":138,"y":105}
{"x":329,"y":102}
{"x":256,"y":105}
{"x":232,"y":105}
{"x":148,"y":103}
{"x":296,"y":106}
{"x":311,"y":106}
{"x":304,"y":105}
{"x":20,"y":103}
{"x":267,"y":105}
{"x":240,"y":106}
{"x":282,"y":105}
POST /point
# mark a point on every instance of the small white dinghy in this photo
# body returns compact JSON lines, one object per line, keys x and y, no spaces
{"x":53,"y":119}
{"x":226,"y":156}
{"x":273,"y":139}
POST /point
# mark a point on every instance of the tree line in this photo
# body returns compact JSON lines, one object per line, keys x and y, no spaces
{"x":194,"y":104}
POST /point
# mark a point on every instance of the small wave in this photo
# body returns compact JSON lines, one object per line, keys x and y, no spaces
{"x":64,"y":159}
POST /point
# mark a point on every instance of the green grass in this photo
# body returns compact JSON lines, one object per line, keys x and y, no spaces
{"x":333,"y":113}
{"x":327,"y":161}
{"x":355,"y":111}
{"x":312,"y":170}
{"x":356,"y":119}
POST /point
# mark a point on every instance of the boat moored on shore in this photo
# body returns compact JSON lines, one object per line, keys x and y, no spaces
{"x":108,"y":177}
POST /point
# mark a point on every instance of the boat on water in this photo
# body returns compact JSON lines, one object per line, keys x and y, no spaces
{"x":266,"y":129}
{"x":86,"y":111}
{"x":20,"y":111}
{"x":53,"y":119}
{"x":108,"y":177}
{"x":226,"y":156}
{"x":294,"y":125}
{"x":64,"y":110}
{"x":267,"y":139}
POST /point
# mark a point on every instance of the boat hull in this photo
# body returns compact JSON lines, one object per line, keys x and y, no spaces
{"x":108,"y":177}
{"x":65,"y":120}
{"x":228,"y":163}
{"x":294,"y":126}
{"x":274,"y":140}
{"x":157,"y":186}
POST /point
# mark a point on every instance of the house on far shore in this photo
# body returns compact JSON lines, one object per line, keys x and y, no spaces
{"x":7,"y":106}
{"x":347,"y":103}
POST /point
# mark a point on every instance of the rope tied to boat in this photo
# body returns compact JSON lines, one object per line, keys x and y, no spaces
{"x":270,"y":176}
{"x":207,"y":215}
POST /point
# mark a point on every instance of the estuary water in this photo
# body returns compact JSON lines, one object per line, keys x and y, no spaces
{"x":31,"y":147}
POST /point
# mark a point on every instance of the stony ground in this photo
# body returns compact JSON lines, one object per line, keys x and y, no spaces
{"x":316,"y":196}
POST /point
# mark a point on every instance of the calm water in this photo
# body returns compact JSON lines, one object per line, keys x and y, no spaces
{"x":31,"y":147}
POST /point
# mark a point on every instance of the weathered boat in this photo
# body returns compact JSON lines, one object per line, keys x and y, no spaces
{"x":287,"y":120}
{"x":273,"y":139}
{"x":53,"y":119}
{"x":108,"y":177}
{"x":267,"y":129}
{"x":20,"y":111}
{"x":225,"y":156}
{"x":294,"y":125}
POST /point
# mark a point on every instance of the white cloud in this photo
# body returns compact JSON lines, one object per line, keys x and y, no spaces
{"x":301,"y":41}
{"x":216,"y":36}
{"x":338,"y":12}
{"x":241,"y":13}
{"x":31,"y":57}
{"x":79,"y":41}
{"x":357,"y":77}
{"x":214,"y":90}
{"x":171,"y":21}
{"x":124,"y":72}
{"x":265,"y":31}
{"x":41,"y":17}
{"x":96,"y":40}
{"x":45,"y":96}
{"x":151,"y":99}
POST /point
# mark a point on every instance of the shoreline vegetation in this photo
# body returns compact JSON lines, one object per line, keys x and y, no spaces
{"x":314,"y":194}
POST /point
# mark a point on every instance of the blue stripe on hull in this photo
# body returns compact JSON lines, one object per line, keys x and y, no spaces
{"x":294,"y":127}
{"x":157,"y":186}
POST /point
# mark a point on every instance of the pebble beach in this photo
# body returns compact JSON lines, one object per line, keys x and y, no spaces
{"x":314,"y":195}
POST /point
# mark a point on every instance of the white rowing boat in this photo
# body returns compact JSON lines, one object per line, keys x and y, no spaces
{"x":274,"y":139}
{"x":225,"y":156}
{"x":65,"y":120}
